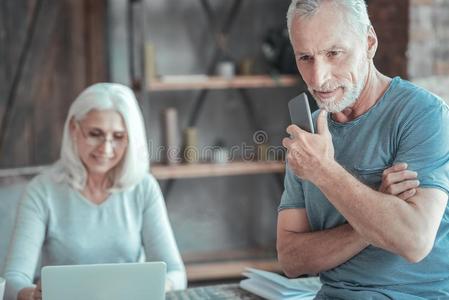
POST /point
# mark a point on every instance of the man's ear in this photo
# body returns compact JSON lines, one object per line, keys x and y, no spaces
{"x":372,"y":43}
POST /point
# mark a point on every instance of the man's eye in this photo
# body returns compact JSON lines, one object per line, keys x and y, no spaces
{"x":333,"y":53}
{"x":305,"y":58}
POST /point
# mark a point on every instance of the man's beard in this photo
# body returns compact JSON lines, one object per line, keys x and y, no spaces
{"x":351,"y":94}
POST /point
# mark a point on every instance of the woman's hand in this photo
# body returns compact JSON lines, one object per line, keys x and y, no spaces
{"x":37,"y":293}
{"x":399,"y":181}
{"x":168,"y":285}
{"x":31,"y":293}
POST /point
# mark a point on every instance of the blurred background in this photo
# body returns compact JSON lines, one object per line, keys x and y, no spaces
{"x":215,"y":75}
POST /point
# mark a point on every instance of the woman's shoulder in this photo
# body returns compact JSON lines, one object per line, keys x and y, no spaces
{"x":147,"y":184}
{"x":47,"y":184}
{"x":145,"y":193}
{"x":42,"y":181}
{"x":40,"y":192}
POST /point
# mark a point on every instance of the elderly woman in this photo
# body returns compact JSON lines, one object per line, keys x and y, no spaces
{"x":98,"y":203}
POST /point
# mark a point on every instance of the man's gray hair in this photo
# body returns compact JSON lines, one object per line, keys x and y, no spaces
{"x":356,"y":11}
{"x":135,"y":162}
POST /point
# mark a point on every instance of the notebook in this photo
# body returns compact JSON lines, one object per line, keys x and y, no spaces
{"x":104,"y":281}
{"x":273,"y":286}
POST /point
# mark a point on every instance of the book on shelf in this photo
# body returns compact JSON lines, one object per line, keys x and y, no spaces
{"x":273,"y":286}
{"x":184,"y":78}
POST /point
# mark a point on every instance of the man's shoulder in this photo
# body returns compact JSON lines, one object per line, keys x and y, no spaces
{"x":407,"y":105}
{"x":409,"y":96}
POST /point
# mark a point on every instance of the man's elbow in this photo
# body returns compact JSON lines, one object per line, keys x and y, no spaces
{"x":416,"y":255}
{"x":418,"y":249}
{"x":293,"y":265}
{"x":290,"y":273}
{"x":287,"y":267}
{"x":284,"y":260}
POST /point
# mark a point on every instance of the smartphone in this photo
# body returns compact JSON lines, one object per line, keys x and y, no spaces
{"x":300,"y":113}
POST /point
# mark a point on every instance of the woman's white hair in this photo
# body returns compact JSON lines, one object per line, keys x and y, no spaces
{"x":356,"y":11}
{"x":135,"y":162}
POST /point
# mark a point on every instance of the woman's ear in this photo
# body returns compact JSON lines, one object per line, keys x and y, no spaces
{"x":372,"y":43}
{"x":72,"y":127}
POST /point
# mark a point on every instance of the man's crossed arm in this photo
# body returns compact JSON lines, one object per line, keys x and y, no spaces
{"x":303,"y":252}
{"x":405,"y":227}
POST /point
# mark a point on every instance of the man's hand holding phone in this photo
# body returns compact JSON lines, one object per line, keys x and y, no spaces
{"x":300,"y":113}
{"x":308,"y":155}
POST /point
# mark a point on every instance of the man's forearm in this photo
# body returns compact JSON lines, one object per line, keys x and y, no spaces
{"x":383,"y":220}
{"x":314,"y":252}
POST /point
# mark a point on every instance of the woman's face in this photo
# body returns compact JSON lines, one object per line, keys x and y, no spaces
{"x":101,"y":139}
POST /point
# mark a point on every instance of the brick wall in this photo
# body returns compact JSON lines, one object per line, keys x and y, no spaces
{"x":428,"y":52}
{"x":391,"y":20}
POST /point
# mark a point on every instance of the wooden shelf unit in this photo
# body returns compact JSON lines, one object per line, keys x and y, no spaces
{"x":228,"y":264}
{"x":215,"y":169}
{"x":216,"y":265}
{"x":216,"y":82}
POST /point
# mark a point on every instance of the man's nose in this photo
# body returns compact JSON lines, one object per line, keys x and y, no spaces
{"x":321,"y":73}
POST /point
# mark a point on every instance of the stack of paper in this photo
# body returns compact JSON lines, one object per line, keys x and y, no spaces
{"x":273,"y":286}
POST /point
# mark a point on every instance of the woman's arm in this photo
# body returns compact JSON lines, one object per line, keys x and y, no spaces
{"x":158,"y":239}
{"x":26,"y":244}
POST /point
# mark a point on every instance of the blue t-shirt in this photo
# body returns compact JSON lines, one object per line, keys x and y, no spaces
{"x":408,"y":124}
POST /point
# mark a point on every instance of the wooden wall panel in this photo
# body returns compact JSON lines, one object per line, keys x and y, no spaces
{"x":95,"y":33}
{"x":65,"y":54}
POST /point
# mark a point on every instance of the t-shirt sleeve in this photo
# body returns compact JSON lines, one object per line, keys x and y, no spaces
{"x":158,"y":238}
{"x":424,"y":145}
{"x":293,"y":195}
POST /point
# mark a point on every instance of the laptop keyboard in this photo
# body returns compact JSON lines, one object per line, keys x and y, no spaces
{"x":215,"y":292}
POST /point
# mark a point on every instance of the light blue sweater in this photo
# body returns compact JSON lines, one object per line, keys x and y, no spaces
{"x":59,"y":223}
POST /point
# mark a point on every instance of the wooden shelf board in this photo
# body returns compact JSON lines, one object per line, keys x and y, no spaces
{"x":211,"y":169}
{"x":229,"y":255}
{"x":228,"y":270}
{"x":23,"y":171}
{"x":182,"y":170}
{"x":216,"y":82}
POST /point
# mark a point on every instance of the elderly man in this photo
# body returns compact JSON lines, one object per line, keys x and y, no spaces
{"x":333,"y":220}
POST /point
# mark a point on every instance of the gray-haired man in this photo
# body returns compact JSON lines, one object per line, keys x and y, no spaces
{"x":333,"y":220}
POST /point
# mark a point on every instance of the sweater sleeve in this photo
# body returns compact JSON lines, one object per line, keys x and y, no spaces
{"x":27,"y":240}
{"x":157,"y":236}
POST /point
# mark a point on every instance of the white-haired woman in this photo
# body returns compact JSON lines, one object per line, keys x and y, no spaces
{"x":98,"y":203}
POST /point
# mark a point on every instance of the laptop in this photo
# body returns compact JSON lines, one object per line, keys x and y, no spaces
{"x":104,"y":281}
